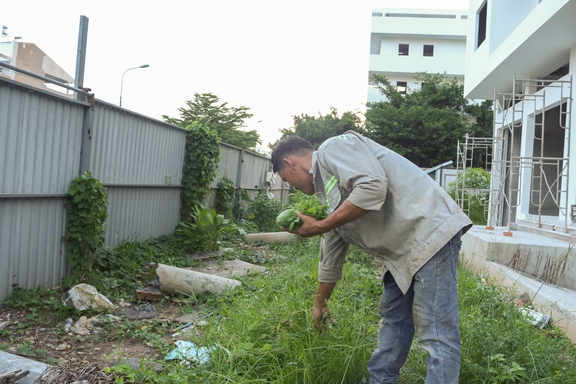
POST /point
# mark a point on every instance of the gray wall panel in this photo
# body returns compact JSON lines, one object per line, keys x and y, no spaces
{"x":31,"y":247}
{"x":136,"y":214}
{"x":39,"y":141}
{"x":40,"y":138}
{"x":128,"y":148}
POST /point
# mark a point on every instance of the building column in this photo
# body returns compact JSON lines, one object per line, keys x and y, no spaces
{"x":570,"y":143}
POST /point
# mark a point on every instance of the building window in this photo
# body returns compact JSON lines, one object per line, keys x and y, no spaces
{"x":428,"y":50}
{"x":402,"y":49}
{"x":376,"y":14}
{"x":481,"y":26}
{"x":401,"y":87}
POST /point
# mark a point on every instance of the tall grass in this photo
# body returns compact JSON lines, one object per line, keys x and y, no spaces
{"x":262,"y":332}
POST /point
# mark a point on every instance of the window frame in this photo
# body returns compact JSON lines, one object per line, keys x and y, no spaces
{"x":401,"y":50}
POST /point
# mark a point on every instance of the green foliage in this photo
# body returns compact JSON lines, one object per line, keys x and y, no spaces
{"x":424,"y":125}
{"x":305,"y":204}
{"x":243,"y":200}
{"x":471,"y":191}
{"x":289,"y":219}
{"x":117,"y":273}
{"x":200,"y":166}
{"x":225,"y":195}
{"x":86,"y":215}
{"x":202,"y":232}
{"x":308,"y":205}
{"x":38,"y":300}
{"x":481,"y":125}
{"x":226,"y":121}
{"x":262,"y":212}
{"x":317,"y":129}
{"x":500,"y":344}
{"x":263,"y":331}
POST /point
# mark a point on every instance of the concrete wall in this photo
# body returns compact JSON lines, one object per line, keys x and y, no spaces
{"x":489,"y":254}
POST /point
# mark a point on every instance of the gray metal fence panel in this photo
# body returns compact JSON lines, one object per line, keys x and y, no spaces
{"x":128,"y":148}
{"x":40,"y":136}
{"x":136,"y":214}
{"x":139,"y":160}
{"x":39,"y":140}
{"x":228,"y":165}
{"x":32,"y":252}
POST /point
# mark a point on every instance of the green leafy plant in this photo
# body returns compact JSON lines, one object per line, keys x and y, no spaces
{"x":86,"y":215}
{"x":225,"y":193}
{"x":262,"y":211}
{"x":305,"y":204}
{"x":202,"y":232}
{"x":200,"y":166}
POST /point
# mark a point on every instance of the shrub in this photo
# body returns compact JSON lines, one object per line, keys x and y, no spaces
{"x":470,"y":190}
{"x":225,"y":194}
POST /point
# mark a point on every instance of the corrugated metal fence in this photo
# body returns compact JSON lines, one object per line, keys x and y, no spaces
{"x":138,"y":159}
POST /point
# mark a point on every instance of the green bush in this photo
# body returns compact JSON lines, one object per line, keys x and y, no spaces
{"x":202,"y":232}
{"x":224,"y":196}
{"x":262,"y":212}
{"x":470,"y":191}
{"x":86,"y":214}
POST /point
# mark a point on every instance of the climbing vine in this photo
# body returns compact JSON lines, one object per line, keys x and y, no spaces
{"x":86,"y":215}
{"x":200,"y":167}
{"x":225,"y":196}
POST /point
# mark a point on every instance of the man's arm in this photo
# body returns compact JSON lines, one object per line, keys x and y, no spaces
{"x":320,"y":310}
{"x":346,"y":213}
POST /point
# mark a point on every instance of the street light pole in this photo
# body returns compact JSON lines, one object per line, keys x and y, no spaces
{"x":122,"y":82}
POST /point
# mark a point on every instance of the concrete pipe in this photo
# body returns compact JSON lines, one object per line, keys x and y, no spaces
{"x":271,"y":237}
{"x":179,"y":280}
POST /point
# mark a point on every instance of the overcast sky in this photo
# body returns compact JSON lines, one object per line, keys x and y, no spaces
{"x":277,"y":58}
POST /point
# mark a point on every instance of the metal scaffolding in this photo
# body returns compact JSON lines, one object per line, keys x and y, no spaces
{"x":519,"y":163}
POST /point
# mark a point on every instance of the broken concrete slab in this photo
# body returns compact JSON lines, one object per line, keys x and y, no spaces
{"x":10,"y":362}
{"x":135,"y":314}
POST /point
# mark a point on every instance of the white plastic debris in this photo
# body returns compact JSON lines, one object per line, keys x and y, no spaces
{"x":539,"y":320}
{"x":84,"y":296}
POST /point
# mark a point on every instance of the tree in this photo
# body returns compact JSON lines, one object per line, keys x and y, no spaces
{"x":317,"y":129}
{"x":207,"y":109}
{"x":423,"y":125}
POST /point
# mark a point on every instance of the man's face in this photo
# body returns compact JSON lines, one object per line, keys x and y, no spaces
{"x":299,"y":178}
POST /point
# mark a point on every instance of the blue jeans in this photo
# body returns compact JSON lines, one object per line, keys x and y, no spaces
{"x":430,"y":307}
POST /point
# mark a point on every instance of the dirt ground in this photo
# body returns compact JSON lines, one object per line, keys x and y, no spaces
{"x":73,"y":353}
{"x":50,"y":344}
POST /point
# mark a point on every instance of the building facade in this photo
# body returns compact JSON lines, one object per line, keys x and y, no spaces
{"x":404,"y":42}
{"x":522,"y":55}
{"x":30,"y":57}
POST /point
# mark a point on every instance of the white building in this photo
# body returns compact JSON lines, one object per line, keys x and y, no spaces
{"x":406,"y":41}
{"x":522,"y":54}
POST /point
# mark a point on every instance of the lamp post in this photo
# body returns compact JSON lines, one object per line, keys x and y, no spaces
{"x":122,"y":82}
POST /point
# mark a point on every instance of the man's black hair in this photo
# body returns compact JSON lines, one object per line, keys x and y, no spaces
{"x":291,"y":145}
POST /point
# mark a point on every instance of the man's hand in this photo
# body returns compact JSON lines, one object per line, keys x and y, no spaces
{"x":321,"y":319}
{"x":346,"y":213}
{"x":310,"y":226}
